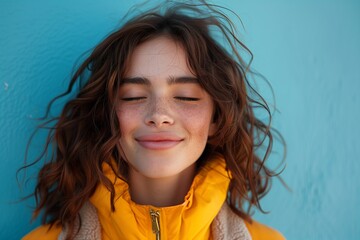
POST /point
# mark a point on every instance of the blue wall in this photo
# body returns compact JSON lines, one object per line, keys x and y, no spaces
{"x":308,"y":50}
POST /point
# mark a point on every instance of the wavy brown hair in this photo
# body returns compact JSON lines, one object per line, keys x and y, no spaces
{"x":86,"y":134}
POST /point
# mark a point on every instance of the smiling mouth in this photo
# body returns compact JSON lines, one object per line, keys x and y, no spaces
{"x":159,"y":145}
{"x":159,"y":141}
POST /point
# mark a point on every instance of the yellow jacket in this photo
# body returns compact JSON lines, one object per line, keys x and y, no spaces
{"x":203,"y":215}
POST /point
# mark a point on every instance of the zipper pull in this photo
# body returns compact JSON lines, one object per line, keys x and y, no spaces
{"x":155,"y":222}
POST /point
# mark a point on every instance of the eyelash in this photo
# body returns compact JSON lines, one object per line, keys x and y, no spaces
{"x":189,"y":99}
{"x":133,"y":99}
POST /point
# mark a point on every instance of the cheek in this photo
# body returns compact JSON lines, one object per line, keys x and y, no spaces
{"x":198,"y":121}
{"x":128,"y":117}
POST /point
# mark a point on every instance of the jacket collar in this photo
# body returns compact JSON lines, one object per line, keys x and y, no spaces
{"x":226,"y":225}
{"x":190,"y":219}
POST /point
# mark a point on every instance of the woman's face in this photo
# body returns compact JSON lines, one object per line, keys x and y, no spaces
{"x":165,"y":116}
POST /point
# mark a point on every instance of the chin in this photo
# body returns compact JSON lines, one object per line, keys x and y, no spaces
{"x":162,"y":170}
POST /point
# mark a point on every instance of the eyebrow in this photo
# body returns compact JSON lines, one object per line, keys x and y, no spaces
{"x":171,"y":80}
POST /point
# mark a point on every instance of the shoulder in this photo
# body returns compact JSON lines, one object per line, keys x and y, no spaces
{"x":260,"y":231}
{"x":43,"y":232}
{"x":229,"y":224}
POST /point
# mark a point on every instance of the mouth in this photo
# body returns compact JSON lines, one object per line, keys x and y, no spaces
{"x":159,"y":141}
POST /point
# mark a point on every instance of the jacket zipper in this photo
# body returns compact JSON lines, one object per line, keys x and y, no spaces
{"x":155,"y":222}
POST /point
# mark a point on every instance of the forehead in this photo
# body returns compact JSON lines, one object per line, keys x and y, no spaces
{"x":158,"y":57}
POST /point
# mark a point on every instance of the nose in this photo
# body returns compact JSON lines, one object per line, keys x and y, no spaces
{"x":159,"y":114}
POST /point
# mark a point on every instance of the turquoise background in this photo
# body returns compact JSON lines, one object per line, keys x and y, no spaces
{"x":308,"y":50}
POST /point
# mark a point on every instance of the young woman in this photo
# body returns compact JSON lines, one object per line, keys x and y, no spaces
{"x":160,"y":141}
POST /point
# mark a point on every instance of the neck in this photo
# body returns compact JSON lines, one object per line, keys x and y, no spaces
{"x":160,"y":192}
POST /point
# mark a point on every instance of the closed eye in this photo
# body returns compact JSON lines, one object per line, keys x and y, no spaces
{"x":191,"y":99}
{"x":129,"y":99}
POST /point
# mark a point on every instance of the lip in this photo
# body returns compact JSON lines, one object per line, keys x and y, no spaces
{"x":159,"y":141}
